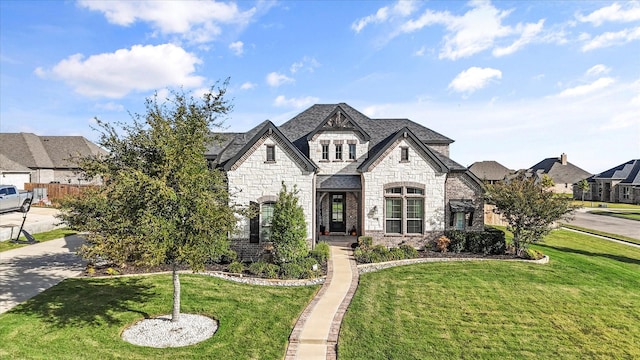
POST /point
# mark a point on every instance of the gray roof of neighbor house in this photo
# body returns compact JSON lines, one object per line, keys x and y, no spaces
{"x":8,"y":165}
{"x":559,"y":173}
{"x":628,"y":173}
{"x":45,"y":152}
{"x":489,"y":170}
{"x":380,"y":133}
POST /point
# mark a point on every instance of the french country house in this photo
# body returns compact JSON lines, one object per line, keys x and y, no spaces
{"x":391,"y":179}
{"x":620,"y":184}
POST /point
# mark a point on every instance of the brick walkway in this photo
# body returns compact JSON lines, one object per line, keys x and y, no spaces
{"x":315,"y":334}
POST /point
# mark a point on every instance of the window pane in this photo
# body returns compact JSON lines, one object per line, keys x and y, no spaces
{"x":337,"y":209}
{"x":394,"y":208}
{"x":266,"y":216}
{"x":415,"y":191}
{"x":352,"y":151}
{"x":405,"y":154}
{"x":325,"y":152}
{"x":271,"y":153}
{"x":414,"y":208}
{"x":396,"y":190}
{"x":414,"y":226}
{"x":393,"y":226}
{"x":338,"y":151}
{"x":459,"y":221}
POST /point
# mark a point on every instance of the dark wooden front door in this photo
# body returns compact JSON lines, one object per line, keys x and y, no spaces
{"x":338,"y":212}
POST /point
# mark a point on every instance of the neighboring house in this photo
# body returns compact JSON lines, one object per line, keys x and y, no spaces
{"x":29,"y":158}
{"x":563,"y":173}
{"x":490,"y":172}
{"x":620,"y":184}
{"x":390,"y":179}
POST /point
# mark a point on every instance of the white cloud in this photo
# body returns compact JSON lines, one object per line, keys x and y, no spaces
{"x":237,"y":47}
{"x":420,"y":52}
{"x":581,"y":90}
{"x":110,"y":106}
{"x":247,"y":85}
{"x":282,"y":101}
{"x":275,"y":79}
{"x":197,"y":21}
{"x":307,"y":63}
{"x":598,"y":70}
{"x":529,"y":33}
{"x":474,"y":78}
{"x":141,"y":68}
{"x":402,"y":8}
{"x":611,"y":38}
{"x":629,"y":11}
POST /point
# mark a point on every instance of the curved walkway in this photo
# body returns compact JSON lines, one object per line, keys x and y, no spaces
{"x":315,"y":334}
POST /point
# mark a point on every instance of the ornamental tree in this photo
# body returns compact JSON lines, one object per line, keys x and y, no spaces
{"x":288,"y":227}
{"x":160,"y":202}
{"x":529,"y":207}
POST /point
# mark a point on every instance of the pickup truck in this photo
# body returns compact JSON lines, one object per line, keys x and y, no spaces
{"x":11,"y":199}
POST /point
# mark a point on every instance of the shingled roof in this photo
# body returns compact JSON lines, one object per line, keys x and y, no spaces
{"x":628,"y":173}
{"x":378,"y":131}
{"x":489,"y":170}
{"x":45,"y":152}
{"x":560,"y":170}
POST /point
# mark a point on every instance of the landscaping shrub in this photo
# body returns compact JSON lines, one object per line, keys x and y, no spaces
{"x":396,"y":254}
{"x":258,"y":268}
{"x":362,"y":256}
{"x":365,"y":242}
{"x":271,"y":271}
{"x":379,"y":253}
{"x":442,"y":244}
{"x":292,"y":271}
{"x":409,"y":252}
{"x":321,"y":252}
{"x":458,"y":240}
{"x":236,"y":267}
{"x":532,"y":254}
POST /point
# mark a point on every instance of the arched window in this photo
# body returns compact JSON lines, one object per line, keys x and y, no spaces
{"x":404,"y":210}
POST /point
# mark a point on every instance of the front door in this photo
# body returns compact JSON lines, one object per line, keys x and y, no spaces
{"x":338,"y":213}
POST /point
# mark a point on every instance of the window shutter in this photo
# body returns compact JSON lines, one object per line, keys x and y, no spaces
{"x":452,"y":218}
{"x":471,"y":218}
{"x":254,"y":224}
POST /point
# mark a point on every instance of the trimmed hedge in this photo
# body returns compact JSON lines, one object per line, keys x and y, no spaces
{"x":379,"y":253}
{"x":491,"y":241}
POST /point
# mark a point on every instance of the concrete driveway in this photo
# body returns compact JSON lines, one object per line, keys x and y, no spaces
{"x":610,"y":224}
{"x":29,"y":270}
{"x":39,"y":220}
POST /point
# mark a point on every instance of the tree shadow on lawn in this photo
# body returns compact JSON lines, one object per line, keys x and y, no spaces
{"x":89,"y":302}
{"x":620,"y":258}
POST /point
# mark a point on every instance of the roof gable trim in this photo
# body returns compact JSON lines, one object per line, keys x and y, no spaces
{"x":338,"y":120}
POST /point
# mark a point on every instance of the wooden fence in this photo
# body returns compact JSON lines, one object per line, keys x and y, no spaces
{"x":491,"y":218}
{"x":53,"y":191}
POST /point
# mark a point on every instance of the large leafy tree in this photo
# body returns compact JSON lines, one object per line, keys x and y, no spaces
{"x":529,"y":207}
{"x":160,"y":203}
{"x":289,"y":229}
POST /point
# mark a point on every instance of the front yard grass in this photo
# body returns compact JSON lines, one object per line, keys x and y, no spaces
{"x":600,"y":204}
{"x":40,"y":237}
{"x":602,"y":233}
{"x":83,"y":318}
{"x":584,"y":304}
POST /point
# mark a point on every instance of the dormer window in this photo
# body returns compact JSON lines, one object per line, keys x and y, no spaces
{"x":271,"y":153}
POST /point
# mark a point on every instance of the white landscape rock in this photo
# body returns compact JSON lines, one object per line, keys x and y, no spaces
{"x":161,"y":332}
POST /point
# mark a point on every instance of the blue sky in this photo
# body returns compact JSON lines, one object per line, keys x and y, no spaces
{"x":514,"y":82}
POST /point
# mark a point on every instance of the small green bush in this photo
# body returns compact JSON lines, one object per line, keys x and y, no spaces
{"x":236,"y":267}
{"x":365,"y":242}
{"x":362,"y":256}
{"x":292,"y":271}
{"x":396,"y":254}
{"x":532,"y":254}
{"x":321,"y":252}
{"x":258,"y":268}
{"x":271,"y":271}
{"x":409,"y":251}
{"x":458,"y":240}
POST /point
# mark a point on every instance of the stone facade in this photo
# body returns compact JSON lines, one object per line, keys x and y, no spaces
{"x":460,"y":186}
{"x":342,"y":166}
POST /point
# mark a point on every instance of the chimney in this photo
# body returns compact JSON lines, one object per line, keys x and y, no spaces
{"x":563,"y":159}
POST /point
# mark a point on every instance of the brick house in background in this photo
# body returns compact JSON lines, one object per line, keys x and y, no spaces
{"x":391,"y":179}
{"x":29,"y":158}
{"x":490,"y":172}
{"x":620,"y":184}
{"x":563,"y":173}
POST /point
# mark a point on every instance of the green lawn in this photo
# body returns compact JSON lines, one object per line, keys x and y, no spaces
{"x":44,"y":236}
{"x":631,"y":215}
{"x":597,"y":204}
{"x":83,"y":319}
{"x":584,"y":304}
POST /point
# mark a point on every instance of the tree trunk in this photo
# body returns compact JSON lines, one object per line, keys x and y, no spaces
{"x":175,"y":314}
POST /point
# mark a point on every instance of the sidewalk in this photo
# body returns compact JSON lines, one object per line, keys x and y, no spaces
{"x":315,"y":335}
{"x":29,"y":270}
{"x":39,"y":220}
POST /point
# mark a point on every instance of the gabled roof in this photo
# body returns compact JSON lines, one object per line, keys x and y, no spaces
{"x":339,"y":120}
{"x":559,"y":173}
{"x":489,"y":170}
{"x":628,"y":173}
{"x":241,"y":143}
{"x":46,"y":152}
{"x":407,"y":134}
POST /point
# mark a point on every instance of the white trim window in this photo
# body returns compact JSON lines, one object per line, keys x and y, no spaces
{"x":404,"y":210}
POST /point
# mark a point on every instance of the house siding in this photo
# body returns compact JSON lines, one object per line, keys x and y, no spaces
{"x":417,"y":171}
{"x":254,"y":179}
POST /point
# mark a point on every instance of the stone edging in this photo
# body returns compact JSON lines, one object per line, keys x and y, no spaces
{"x":365,"y":268}
{"x":231,"y":277}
